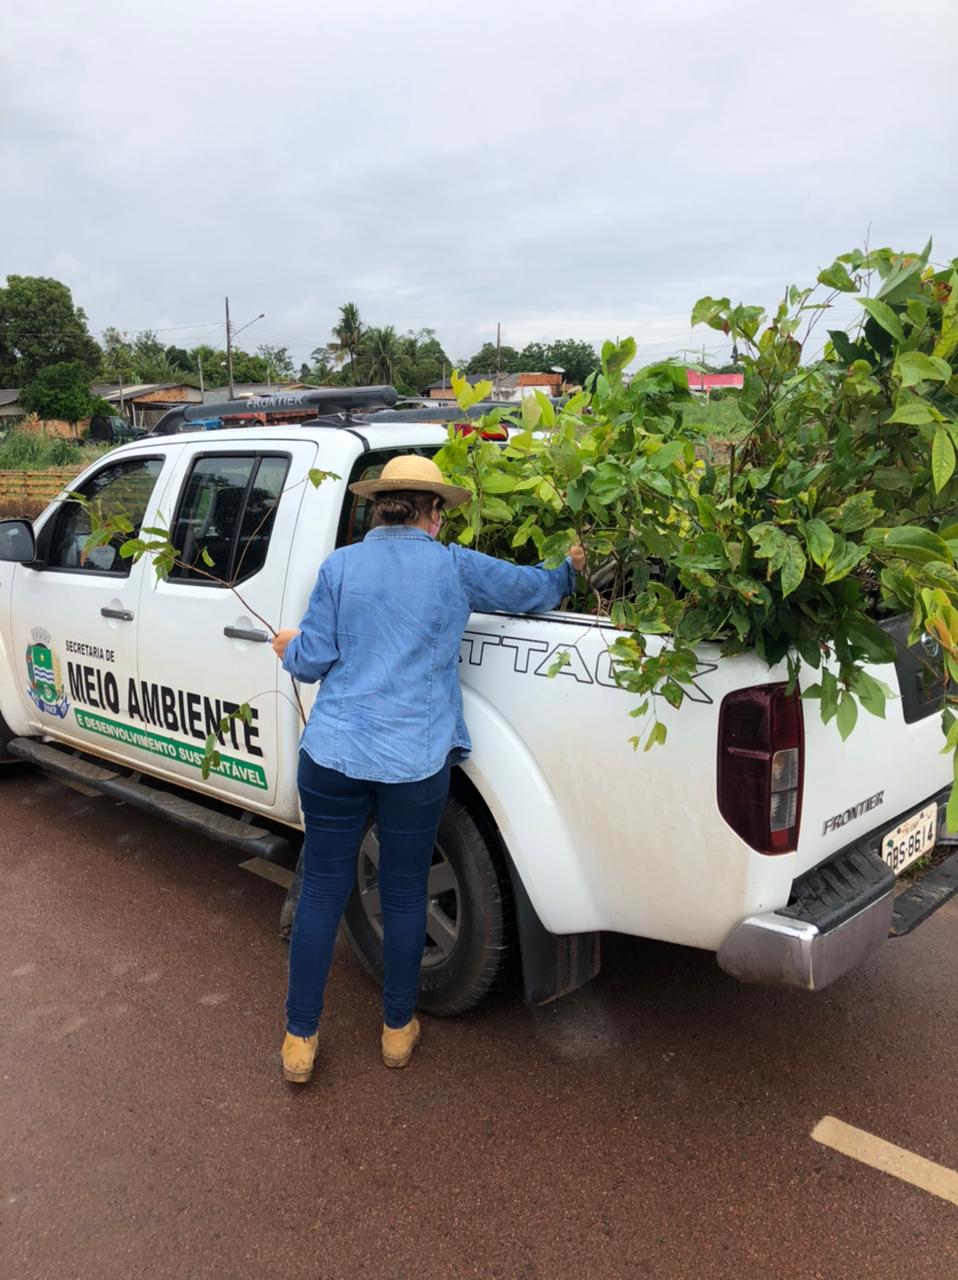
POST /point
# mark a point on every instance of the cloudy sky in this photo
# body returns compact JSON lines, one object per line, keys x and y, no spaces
{"x":569,"y":169}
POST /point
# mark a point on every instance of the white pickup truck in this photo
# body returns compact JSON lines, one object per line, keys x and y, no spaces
{"x":754,"y":833}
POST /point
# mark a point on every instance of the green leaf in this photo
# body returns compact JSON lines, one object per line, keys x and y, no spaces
{"x":845,"y":557}
{"x":771,"y":544}
{"x":665,"y":456}
{"x":468,"y":535}
{"x":496,"y":509}
{"x":657,"y":734}
{"x":561,"y":661}
{"x":531,"y":412}
{"x":466,"y":395}
{"x":546,"y":409}
{"x":819,"y":539}
{"x":898,"y":585}
{"x":616,"y":357}
{"x":951,"y":813}
{"x":857,"y":512}
{"x":918,"y":545}
{"x":914,"y":413}
{"x":876,"y":644}
{"x":836,"y":277}
{"x":499,"y":482}
{"x":711,"y":311}
{"x":914,"y":367}
{"x":847,"y":714}
{"x":872,"y":693}
{"x":793,"y":570}
{"x":883,"y":315}
{"x":207,"y":558}
{"x":829,"y":695}
{"x":942,"y":459}
{"x":672,"y":693}
{"x":523,"y":533}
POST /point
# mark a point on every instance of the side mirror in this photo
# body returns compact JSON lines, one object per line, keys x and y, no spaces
{"x":17,"y":542}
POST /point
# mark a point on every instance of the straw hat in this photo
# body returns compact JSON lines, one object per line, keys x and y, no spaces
{"x":409,"y":471}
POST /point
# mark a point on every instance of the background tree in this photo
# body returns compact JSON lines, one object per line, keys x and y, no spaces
{"x":422,"y":360}
{"x":348,"y":333}
{"x":279,"y":365}
{"x":118,"y":363}
{"x":179,"y":359}
{"x":213,"y":362}
{"x":39,"y":325}
{"x":576,"y":359}
{"x":63,"y":391}
{"x":379,"y":357}
{"x":321,"y":371}
{"x":535,"y":357}
{"x":484,"y":361}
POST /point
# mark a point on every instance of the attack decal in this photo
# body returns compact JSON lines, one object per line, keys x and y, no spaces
{"x":46,"y":691}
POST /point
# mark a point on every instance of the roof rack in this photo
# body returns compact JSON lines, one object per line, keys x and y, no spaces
{"x":441,"y":413}
{"x":324,"y":400}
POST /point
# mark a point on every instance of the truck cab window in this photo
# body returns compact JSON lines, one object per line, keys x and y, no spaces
{"x":227,"y":510}
{"x":121,"y":488}
{"x":356,"y":518}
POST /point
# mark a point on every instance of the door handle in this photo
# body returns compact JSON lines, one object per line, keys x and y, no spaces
{"x":124,"y":615}
{"x":245,"y":633}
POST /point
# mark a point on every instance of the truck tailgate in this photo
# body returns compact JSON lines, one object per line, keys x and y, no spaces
{"x":886,"y":769}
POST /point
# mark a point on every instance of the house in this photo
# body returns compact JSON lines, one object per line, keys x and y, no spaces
{"x":508,"y":386}
{"x":11,"y":410}
{"x":706,"y":383}
{"x":144,"y":403}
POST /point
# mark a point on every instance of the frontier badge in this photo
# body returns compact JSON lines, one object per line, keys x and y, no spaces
{"x":46,"y":690}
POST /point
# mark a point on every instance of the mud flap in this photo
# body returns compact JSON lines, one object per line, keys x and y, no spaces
{"x":553,"y":964}
{"x":6,"y":735}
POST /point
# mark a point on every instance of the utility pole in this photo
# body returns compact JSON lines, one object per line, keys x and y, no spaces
{"x":498,"y":357}
{"x":229,"y":350}
{"x":199,"y":365}
{"x":122,"y":406}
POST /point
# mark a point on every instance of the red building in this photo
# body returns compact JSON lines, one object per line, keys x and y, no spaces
{"x":708,"y":382}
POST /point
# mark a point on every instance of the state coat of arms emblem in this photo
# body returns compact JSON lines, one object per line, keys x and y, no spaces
{"x":46,"y":690}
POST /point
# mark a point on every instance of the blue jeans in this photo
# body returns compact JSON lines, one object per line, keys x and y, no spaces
{"x":336,"y":809}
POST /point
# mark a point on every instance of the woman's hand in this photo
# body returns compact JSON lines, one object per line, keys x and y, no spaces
{"x":577,"y":556}
{"x":281,"y":640}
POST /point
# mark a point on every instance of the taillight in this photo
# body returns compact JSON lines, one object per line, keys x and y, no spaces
{"x":497,"y":432}
{"x":761,"y":765}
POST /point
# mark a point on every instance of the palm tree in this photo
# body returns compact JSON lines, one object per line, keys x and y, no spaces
{"x":380,"y":353}
{"x":348,"y":334}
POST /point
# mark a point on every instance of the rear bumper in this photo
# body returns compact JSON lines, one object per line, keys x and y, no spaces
{"x":836,"y":917}
{"x":777,"y":951}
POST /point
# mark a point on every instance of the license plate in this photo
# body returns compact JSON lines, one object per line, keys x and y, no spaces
{"x":910,"y":841}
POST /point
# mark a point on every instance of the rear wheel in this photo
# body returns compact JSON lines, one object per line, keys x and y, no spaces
{"x":467,"y":926}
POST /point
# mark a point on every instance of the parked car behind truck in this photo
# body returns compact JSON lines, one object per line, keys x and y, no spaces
{"x":755,"y":833}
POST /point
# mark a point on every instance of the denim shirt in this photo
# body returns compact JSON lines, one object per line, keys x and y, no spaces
{"x":382,"y":632}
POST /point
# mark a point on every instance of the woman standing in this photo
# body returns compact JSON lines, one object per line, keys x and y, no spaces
{"x":382,"y":632}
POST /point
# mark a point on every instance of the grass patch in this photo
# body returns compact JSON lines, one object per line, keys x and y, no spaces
{"x":30,"y":451}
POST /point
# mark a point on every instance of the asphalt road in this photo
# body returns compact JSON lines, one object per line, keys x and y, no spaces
{"x":655,"y":1124}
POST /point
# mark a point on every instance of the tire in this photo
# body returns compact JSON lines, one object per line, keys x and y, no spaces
{"x":467,"y":929}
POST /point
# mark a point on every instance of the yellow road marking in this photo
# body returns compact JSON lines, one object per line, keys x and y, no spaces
{"x":268,"y":871}
{"x":887,"y":1158}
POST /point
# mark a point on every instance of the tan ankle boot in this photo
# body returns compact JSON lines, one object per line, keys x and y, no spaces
{"x":298,"y":1053}
{"x":399,"y":1042}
